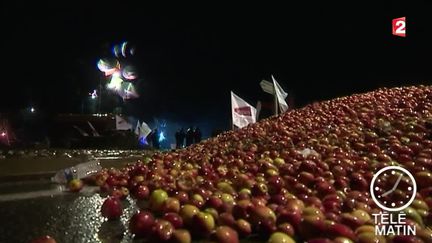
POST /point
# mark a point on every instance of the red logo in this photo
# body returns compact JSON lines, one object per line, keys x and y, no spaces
{"x":245,"y":111}
{"x":399,"y":27}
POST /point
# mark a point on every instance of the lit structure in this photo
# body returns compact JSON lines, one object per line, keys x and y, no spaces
{"x":122,"y":76}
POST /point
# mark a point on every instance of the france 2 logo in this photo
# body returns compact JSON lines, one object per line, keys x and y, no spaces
{"x":399,"y":27}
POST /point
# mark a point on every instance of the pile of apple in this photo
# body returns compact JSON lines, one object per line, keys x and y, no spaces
{"x":302,"y":176}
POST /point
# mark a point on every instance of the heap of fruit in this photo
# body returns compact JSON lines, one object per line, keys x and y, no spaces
{"x":301,"y":176}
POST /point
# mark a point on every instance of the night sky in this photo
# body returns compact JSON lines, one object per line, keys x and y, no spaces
{"x":190,"y":58}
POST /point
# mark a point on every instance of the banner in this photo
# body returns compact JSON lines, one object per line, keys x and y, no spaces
{"x":145,"y":130}
{"x":281,"y":96}
{"x":243,"y":113}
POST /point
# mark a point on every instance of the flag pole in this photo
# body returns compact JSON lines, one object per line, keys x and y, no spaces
{"x":232,"y":121}
{"x":275,"y":102}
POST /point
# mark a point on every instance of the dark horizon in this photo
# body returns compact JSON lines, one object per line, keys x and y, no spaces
{"x":189,"y":61}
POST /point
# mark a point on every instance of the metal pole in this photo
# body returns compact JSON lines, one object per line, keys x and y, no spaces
{"x":100,"y":96}
{"x":275,"y":102}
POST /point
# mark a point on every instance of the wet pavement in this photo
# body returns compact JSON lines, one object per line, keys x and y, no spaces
{"x":67,"y":217}
{"x":31,"y":206}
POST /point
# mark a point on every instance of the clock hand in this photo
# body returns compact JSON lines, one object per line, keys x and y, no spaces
{"x":394,"y":187}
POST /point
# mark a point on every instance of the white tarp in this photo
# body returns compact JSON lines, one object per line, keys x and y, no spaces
{"x":242,"y":112}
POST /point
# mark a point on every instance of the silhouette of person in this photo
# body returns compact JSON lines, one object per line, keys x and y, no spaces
{"x":189,"y":136}
{"x":155,"y":139}
{"x":197,"y":135}
{"x":180,"y":137}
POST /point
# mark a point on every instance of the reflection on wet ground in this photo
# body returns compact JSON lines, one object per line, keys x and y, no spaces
{"x":66,"y":217}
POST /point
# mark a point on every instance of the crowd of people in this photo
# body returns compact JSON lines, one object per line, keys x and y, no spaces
{"x":188,"y":137}
{"x":153,"y":139}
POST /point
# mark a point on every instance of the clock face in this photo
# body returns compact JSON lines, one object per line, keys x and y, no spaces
{"x":393,"y":188}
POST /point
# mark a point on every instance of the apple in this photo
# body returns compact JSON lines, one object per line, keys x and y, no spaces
{"x":259,"y":213}
{"x":406,"y":238}
{"x":243,"y":227}
{"x":187,"y":212}
{"x":171,"y":204}
{"x":141,"y":192}
{"x":162,"y":230}
{"x":279,"y":237}
{"x":44,"y":239}
{"x":112,"y":208}
{"x":203,"y":223}
{"x":312,"y":226}
{"x":338,"y":229}
{"x":275,"y":184}
{"x":226,"y":219}
{"x":364,"y":229}
{"x":121,"y":193}
{"x":225,"y":234}
{"x":214,"y":202}
{"x":242,"y":208}
{"x":265,"y":227}
{"x":294,"y":218}
{"x":181,"y":236}
{"x":182,"y":196}
{"x":369,"y":237}
{"x":75,"y":185}
{"x":342,"y":240}
{"x":197,"y":200}
{"x":319,"y":240}
{"x":174,"y":218}
{"x":141,"y":224}
{"x":225,"y":187}
{"x":157,"y":198}
{"x":213,"y":212}
{"x":100,"y":179}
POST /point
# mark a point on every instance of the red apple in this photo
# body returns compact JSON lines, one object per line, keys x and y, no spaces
{"x":225,"y":234}
{"x":141,"y":224}
{"x":162,"y":230}
{"x":243,"y":227}
{"x":44,"y":239}
{"x":141,"y":192}
{"x":112,"y":208}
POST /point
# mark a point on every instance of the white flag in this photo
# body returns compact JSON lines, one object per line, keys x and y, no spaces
{"x":242,"y":112}
{"x":144,"y":131}
{"x":138,"y":128}
{"x":281,"y":96}
{"x":122,"y":124}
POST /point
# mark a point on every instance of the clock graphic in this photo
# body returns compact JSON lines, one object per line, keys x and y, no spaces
{"x":393,"y":188}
